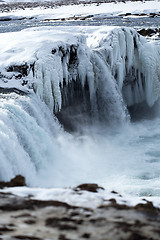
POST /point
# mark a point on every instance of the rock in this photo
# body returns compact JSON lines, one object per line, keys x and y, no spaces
{"x":91,"y":187}
{"x":114,"y":192}
{"x":148,"y":31}
{"x":17,"y":181}
{"x":148,"y":206}
{"x":27,"y":237}
{"x":29,"y":219}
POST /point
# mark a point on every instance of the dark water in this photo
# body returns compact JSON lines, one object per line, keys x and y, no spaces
{"x":17,"y":25}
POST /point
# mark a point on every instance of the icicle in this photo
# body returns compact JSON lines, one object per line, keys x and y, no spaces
{"x":114,"y":62}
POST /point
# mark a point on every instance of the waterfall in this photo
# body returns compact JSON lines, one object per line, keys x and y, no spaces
{"x":27,"y":136}
{"x":108,"y":71}
{"x":90,"y":79}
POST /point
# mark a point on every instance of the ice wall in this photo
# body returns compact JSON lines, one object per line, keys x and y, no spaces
{"x":101,"y":70}
{"x":133,"y":62}
{"x":114,"y":68}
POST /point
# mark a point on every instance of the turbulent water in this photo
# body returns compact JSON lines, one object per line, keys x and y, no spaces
{"x":106,"y":98}
{"x":34,"y":145}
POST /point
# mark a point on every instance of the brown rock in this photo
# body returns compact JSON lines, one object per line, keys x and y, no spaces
{"x":18,"y":181}
{"x":15,"y":182}
{"x":91,"y":187}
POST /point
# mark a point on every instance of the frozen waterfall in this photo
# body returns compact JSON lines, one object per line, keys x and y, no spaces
{"x":79,"y":77}
{"x":107,"y":71}
{"x":103,"y":70}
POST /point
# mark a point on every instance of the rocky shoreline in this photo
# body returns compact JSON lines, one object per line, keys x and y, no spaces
{"x":31,"y":219}
{"x":25,"y":218}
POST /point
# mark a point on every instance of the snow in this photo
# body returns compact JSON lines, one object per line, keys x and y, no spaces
{"x":81,"y":198}
{"x":101,"y":11}
{"x":23,"y":49}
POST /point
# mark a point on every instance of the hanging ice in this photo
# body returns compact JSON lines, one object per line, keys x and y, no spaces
{"x":110,"y":62}
{"x":105,"y":68}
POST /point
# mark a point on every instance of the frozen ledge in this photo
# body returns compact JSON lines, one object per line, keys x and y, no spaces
{"x":110,"y":66}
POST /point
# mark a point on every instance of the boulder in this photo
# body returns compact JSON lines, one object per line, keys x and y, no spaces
{"x":14,"y":182}
{"x":91,"y":187}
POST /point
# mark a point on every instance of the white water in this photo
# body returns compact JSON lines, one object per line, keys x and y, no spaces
{"x":34,"y":145}
{"x":120,"y":68}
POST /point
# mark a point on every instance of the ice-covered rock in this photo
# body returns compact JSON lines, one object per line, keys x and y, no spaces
{"x":103,"y":68}
{"x":112,"y":68}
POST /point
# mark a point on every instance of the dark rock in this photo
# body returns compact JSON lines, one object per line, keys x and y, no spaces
{"x":97,"y":220}
{"x":26,"y":237}
{"x":62,"y":237}
{"x":112,"y":200}
{"x":86,"y":235}
{"x":73,"y":214}
{"x":30,"y":204}
{"x":5,"y":228}
{"x":114,"y":192}
{"x":146,"y":206}
{"x":52,"y":222}
{"x":147,"y":32}
{"x":54,"y":51}
{"x":137,"y":236}
{"x":18,"y":181}
{"x":23,"y":69}
{"x":23,"y":215}
{"x":152,"y":15}
{"x":115,"y":205}
{"x":15,"y":182}
{"x":66,"y":227}
{"x":30,"y":222}
{"x":59,"y":223}
{"x":2,"y":19}
{"x":91,"y":187}
{"x":10,"y":90}
{"x":128,"y":14}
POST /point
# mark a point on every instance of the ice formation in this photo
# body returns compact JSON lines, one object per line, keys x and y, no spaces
{"x":103,"y":70}
{"x":112,"y":69}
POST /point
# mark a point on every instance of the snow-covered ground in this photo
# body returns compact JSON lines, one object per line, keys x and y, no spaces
{"x":98,"y":11}
{"x":81,"y":198}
